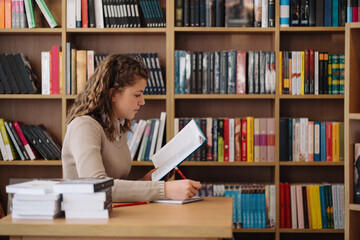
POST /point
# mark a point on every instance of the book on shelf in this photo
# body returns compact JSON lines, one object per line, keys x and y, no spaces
{"x":169,"y":156}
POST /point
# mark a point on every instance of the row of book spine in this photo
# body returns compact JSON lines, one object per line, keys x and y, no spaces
{"x":303,"y":140}
{"x":245,"y":139}
{"x":224,"y":13}
{"x":311,"y":72}
{"x":51,"y":71}
{"x":312,"y":206}
{"x":328,"y":13}
{"x":27,"y":142}
{"x":16,"y":75}
{"x":146,"y":137}
{"x":21,"y":13}
{"x":254,"y":205}
{"x":225,"y":72}
{"x":114,"y":14}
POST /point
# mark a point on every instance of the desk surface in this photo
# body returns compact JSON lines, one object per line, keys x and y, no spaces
{"x":210,"y":218}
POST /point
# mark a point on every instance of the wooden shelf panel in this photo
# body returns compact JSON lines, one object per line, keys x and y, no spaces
{"x":224,"y":96}
{"x":312,"y":29}
{"x":30,"y":31}
{"x":312,"y":96}
{"x":355,"y":207}
{"x":283,"y":230}
{"x":311,"y":163}
{"x":354,"y":25}
{"x":354,"y":116}
{"x":31,"y":163}
{"x":253,"y":230}
{"x":29,"y":96}
{"x":117,"y":30}
{"x":225,"y":29}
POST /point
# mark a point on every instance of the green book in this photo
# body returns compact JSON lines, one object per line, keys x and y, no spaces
{"x":335,"y":74}
{"x":30,"y":13}
{"x":45,"y":10}
{"x":220,"y":140}
{"x":329,"y":74}
{"x":341,"y":73}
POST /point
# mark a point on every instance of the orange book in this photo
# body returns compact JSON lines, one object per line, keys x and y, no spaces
{"x":84,"y":14}
{"x":2,"y":13}
{"x":8,"y":10}
{"x":60,"y":73}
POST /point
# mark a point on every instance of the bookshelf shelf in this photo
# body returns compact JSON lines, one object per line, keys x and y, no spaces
{"x":253,"y":230}
{"x":288,"y":230}
{"x":311,"y":164}
{"x":29,"y":96}
{"x":225,"y":29}
{"x":31,"y":163}
{"x":312,"y":29}
{"x":213,"y":164}
{"x":31,"y":31}
{"x":117,"y":30}
{"x":224,"y":96}
{"x":354,"y":116}
{"x":311,"y":96}
{"x":354,"y":207}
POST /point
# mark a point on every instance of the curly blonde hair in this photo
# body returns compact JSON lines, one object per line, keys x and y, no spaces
{"x":116,"y":71}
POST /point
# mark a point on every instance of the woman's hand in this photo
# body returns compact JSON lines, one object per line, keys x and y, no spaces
{"x":181,"y":189}
{"x":147,"y":176}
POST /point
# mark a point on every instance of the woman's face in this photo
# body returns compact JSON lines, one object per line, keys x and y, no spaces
{"x":127,"y":103}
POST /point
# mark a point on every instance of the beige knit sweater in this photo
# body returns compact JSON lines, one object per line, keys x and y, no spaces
{"x":87,"y":152}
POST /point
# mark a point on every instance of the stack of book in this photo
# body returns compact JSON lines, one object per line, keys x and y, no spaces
{"x":86,"y":197}
{"x":34,"y":200}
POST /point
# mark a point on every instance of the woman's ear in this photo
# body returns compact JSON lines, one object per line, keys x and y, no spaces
{"x":111,"y":90}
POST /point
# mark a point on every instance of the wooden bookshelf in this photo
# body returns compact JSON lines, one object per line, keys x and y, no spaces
{"x":352,"y":126}
{"x":51,"y":110}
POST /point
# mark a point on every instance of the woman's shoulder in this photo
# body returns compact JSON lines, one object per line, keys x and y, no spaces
{"x":84,"y":121}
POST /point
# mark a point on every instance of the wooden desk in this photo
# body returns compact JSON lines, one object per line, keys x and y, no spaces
{"x":208,"y":219}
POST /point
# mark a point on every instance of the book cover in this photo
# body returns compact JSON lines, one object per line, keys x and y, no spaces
{"x":239,"y":13}
{"x":250,"y":139}
{"x":82,"y":185}
{"x":46,"y":12}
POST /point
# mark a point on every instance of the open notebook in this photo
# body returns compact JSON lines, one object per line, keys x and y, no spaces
{"x":194,"y":199}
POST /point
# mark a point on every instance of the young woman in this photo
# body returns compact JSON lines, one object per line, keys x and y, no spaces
{"x":95,"y":141}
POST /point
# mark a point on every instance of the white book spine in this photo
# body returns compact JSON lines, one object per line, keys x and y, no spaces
{"x":99,"y":15}
{"x":294,"y":73}
{"x":264,"y":13}
{"x":90,"y":62}
{"x":3,"y":149}
{"x":272,"y":215}
{"x":144,"y":141}
{"x":154,"y":139}
{"x":31,"y":24}
{"x":335,"y":206}
{"x":341,"y":205}
{"x":77,"y":12}
{"x":310,"y":141}
{"x":176,"y":126}
{"x":71,"y":14}
{"x":231,"y":139}
{"x":161,"y":131}
{"x":46,"y":12}
{"x":293,"y":206}
{"x":45,"y":73}
{"x":137,"y":137}
{"x":298,"y":71}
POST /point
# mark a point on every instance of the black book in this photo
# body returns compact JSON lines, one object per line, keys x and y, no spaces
{"x":319,"y":13}
{"x":186,"y":17}
{"x":199,"y":73}
{"x":9,"y":74}
{"x":197,"y":13}
{"x":306,"y":216}
{"x":304,"y":13}
{"x":4,"y":81}
{"x":32,"y":139}
{"x":2,"y":91}
{"x":210,"y":69}
{"x":18,"y":141}
{"x":33,"y":79}
{"x":106,"y":15}
{"x":220,"y":13}
{"x":203,"y":148}
{"x":192,"y":13}
{"x":223,"y":72}
{"x":179,"y":16}
{"x":24,"y":73}
{"x":158,"y":69}
{"x":202,"y":13}
{"x":321,"y":73}
{"x":312,"y":12}
{"x":42,"y":141}
{"x":91,"y":13}
{"x":194,"y":80}
{"x":284,"y":139}
{"x":49,"y":140}
{"x":295,"y":13}
{"x":342,"y":13}
{"x":271,"y":13}
{"x":16,"y":73}
{"x":326,"y":84}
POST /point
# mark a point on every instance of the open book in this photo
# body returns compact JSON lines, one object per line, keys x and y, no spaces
{"x":166,"y":200}
{"x":177,"y":150}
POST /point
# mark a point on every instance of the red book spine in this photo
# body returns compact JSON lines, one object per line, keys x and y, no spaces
{"x":243,"y":140}
{"x":226,"y":139}
{"x":282,"y":205}
{"x":84,"y":14}
{"x":287,"y":206}
{"x":329,"y":141}
{"x":355,"y":14}
{"x":307,"y":71}
{"x":237,"y":139}
{"x":55,"y":69}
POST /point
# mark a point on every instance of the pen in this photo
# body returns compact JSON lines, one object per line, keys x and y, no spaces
{"x":181,"y":174}
{"x":129,"y":204}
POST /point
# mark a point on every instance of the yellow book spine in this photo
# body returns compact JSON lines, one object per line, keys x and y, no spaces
{"x":308,"y":200}
{"x":313,"y":207}
{"x":6,"y":140}
{"x":318,"y":206}
{"x":302,"y":73}
{"x":250,"y":139}
{"x":335,"y":141}
{"x":280,"y":73}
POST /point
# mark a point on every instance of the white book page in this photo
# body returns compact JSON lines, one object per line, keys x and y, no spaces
{"x":177,"y":149}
